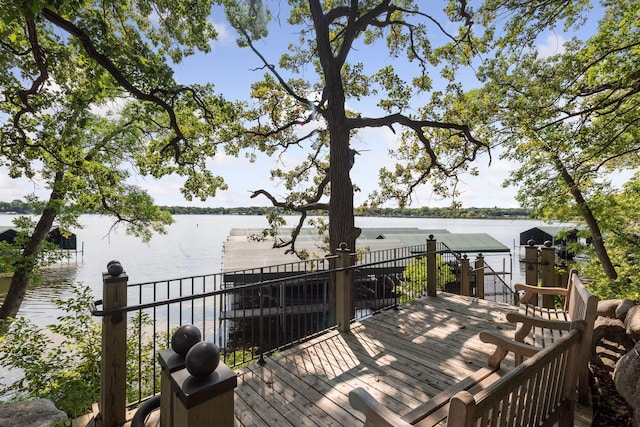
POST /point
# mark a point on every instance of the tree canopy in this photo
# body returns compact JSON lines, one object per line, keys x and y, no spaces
{"x":310,"y":97}
{"x":89,"y":97}
{"x":570,"y":121}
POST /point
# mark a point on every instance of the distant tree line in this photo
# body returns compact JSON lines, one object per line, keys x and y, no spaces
{"x":427,"y":212}
{"x":20,"y":207}
{"x":424,"y":212}
{"x":17,"y":206}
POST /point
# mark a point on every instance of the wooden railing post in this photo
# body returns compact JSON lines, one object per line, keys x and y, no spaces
{"x":531,"y":261}
{"x":479,"y":268}
{"x":432,"y":272}
{"x":170,"y":362}
{"x":344,"y":288}
{"x":113,"y":382}
{"x":465,"y":282}
{"x":547,"y":270}
{"x":562,"y":279}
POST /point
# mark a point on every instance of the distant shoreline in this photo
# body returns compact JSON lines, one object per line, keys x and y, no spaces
{"x":20,"y":208}
{"x":424,"y":212}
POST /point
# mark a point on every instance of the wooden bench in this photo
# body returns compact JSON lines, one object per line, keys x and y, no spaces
{"x":540,"y":391}
{"x":540,"y":326}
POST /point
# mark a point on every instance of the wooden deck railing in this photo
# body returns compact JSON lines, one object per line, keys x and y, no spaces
{"x":252,"y":313}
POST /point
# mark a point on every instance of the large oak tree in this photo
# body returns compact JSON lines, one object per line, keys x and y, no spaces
{"x":409,"y":58}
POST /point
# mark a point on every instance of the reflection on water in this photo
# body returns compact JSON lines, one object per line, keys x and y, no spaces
{"x":40,"y":298}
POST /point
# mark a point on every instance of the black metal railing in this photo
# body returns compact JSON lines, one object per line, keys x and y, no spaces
{"x":496,"y":288}
{"x":253,"y":312}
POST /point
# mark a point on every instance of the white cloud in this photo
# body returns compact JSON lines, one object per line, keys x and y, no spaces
{"x":553,"y":44}
{"x":225,"y":34}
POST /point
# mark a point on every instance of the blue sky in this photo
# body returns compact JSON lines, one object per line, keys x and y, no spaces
{"x":232,"y":70}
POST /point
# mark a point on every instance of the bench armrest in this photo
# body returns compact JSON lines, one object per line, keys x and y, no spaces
{"x":505,"y":345}
{"x":528,"y":322}
{"x":377,"y":415}
{"x":531,"y":291}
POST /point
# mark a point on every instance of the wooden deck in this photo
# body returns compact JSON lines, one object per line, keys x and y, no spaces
{"x":401,"y":357}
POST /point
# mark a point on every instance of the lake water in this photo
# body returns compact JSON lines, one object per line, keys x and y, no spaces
{"x":194,"y":246}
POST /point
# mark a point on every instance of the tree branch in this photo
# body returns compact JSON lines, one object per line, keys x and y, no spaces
{"x":416,"y":125}
{"x":117,"y":74}
{"x":273,"y":70}
{"x":36,"y":85}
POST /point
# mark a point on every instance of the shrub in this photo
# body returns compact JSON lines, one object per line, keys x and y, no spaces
{"x":61,"y":363}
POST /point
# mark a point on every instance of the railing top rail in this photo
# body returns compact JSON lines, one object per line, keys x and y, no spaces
{"x":232,"y":272}
{"x":136,"y":307}
{"x":130,"y":308}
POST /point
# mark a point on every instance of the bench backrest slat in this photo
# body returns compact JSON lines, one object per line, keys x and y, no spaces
{"x":580,"y":303}
{"x":583,"y":305}
{"x":536,"y":392}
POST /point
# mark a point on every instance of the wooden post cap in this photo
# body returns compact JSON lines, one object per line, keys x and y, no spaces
{"x":193,"y":391}
{"x":170,"y":361}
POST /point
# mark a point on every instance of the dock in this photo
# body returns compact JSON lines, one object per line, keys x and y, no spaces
{"x":402,"y":357}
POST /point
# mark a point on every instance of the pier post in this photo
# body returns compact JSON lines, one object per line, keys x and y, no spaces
{"x":479,"y":268}
{"x":113,"y":382}
{"x":344,"y":288}
{"x":531,"y":261}
{"x":431,"y":266}
{"x":465,"y":285}
{"x":547,"y":271}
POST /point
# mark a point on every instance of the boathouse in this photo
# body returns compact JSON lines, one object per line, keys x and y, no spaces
{"x":64,"y":240}
{"x":7,"y":234}
{"x":243,"y":250}
{"x":557,"y":235}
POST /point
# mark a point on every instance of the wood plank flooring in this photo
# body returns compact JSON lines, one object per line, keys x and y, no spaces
{"x":401,"y":357}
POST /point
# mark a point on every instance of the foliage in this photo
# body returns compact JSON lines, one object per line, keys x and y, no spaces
{"x":61,"y":363}
{"x":89,"y":97}
{"x":314,"y":101}
{"x":415,"y":277}
{"x":569,"y":121}
{"x":142,"y":348}
{"x":623,"y":243}
{"x":16,"y":206}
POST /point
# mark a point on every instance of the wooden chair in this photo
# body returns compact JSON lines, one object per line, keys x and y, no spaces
{"x":540,"y":391}
{"x":541,"y":327}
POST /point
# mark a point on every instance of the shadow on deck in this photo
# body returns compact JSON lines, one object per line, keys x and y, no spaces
{"x":401,"y":357}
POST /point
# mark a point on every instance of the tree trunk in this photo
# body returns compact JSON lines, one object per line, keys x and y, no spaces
{"x":27,"y":263}
{"x":341,"y":217}
{"x":592,"y":223}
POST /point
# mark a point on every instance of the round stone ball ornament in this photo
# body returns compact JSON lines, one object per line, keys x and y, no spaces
{"x":185,"y":337}
{"x":202,"y":359}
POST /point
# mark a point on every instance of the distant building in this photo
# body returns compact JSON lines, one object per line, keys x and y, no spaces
{"x":67,"y":241}
{"x":541,"y":234}
{"x":243,"y":252}
{"x":560,"y":237}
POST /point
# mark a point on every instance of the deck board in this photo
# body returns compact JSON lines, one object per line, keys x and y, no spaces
{"x":401,"y":357}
